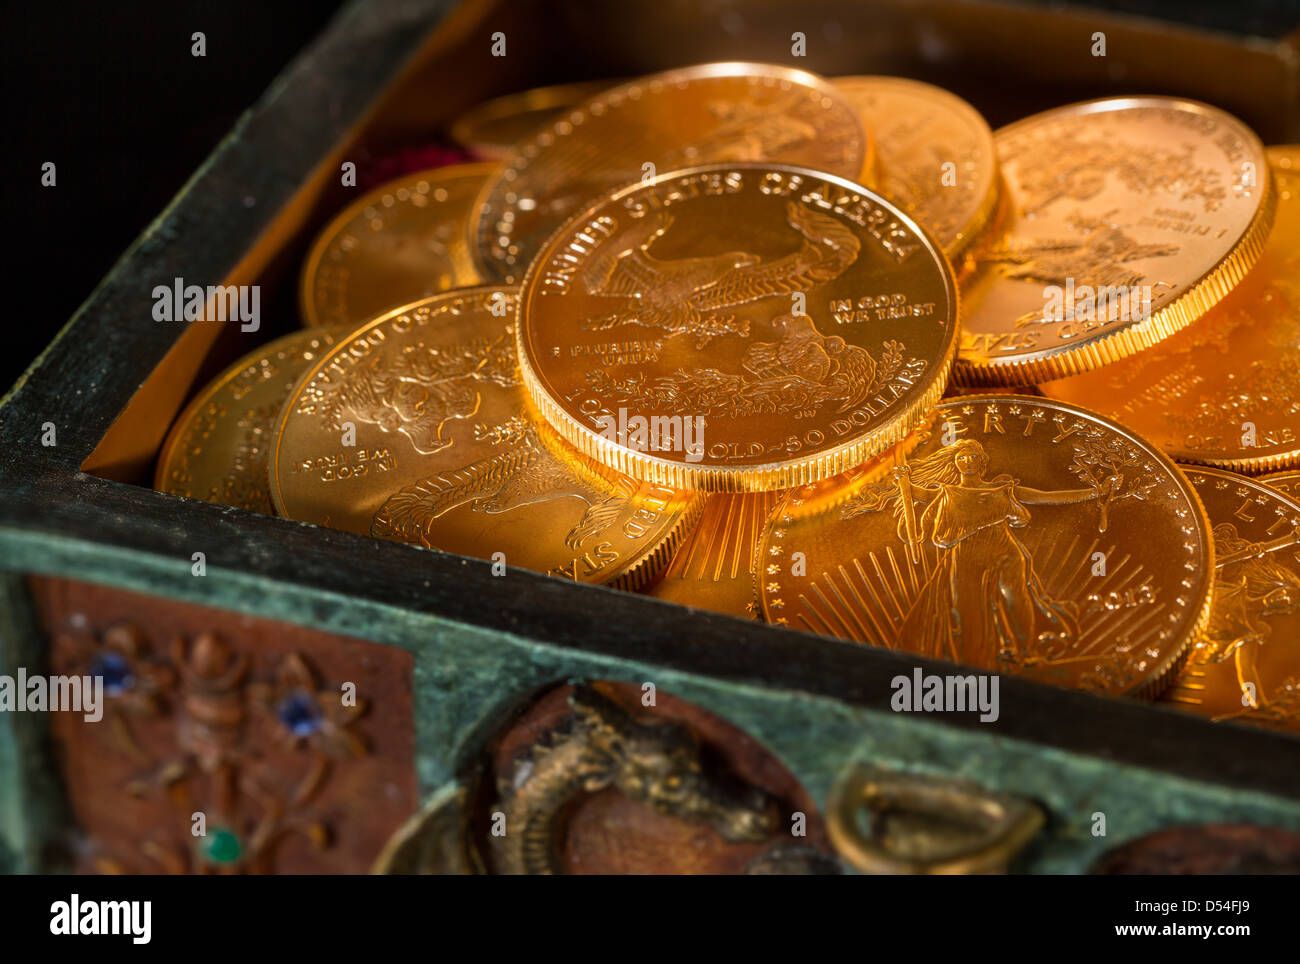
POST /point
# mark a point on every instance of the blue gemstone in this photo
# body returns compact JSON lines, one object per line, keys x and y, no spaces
{"x":115,"y":671}
{"x":300,"y":714}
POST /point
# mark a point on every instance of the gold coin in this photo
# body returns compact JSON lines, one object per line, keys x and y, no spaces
{"x":1225,"y":391}
{"x":738,"y":328}
{"x":729,"y":112}
{"x":713,"y":568}
{"x":491,"y":129}
{"x":445,"y":452}
{"x":1129,"y":219}
{"x":1021,"y":536}
{"x":1246,"y":665}
{"x":1288,"y":483}
{"x":218,"y":449}
{"x":935,"y":154}
{"x":399,"y":243}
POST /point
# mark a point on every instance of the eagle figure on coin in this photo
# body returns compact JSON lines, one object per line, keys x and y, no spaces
{"x":692,"y":296}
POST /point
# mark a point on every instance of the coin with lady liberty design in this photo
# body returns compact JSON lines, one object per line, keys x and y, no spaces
{"x":738,"y":327}
{"x":1022,"y":536}
{"x":1246,"y":665}
{"x":1129,"y":218}
{"x":415,"y":428}
{"x":720,"y":112}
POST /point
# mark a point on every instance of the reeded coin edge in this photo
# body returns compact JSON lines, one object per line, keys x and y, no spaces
{"x":1195,"y":301}
{"x":650,"y":564}
{"x":1156,"y":681}
{"x":1252,"y":466}
{"x":311,"y":264}
{"x":518,"y":160}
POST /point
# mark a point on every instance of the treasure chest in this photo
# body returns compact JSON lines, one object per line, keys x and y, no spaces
{"x":284,"y":697}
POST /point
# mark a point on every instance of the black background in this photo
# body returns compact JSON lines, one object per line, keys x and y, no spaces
{"x":110,"y":92}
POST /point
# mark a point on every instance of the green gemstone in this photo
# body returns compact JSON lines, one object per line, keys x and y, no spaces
{"x":220,"y":847}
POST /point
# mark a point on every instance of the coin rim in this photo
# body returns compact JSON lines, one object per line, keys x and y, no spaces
{"x":873,"y":471}
{"x":756,"y":478}
{"x":979,"y":221}
{"x":210,"y":390}
{"x":328,"y":234}
{"x":1272,"y":477}
{"x":1156,"y":681}
{"x":1198,"y":297}
{"x":464,"y":130}
{"x":514,"y":163}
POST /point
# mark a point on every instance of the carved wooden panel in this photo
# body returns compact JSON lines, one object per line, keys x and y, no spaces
{"x":249,"y":722}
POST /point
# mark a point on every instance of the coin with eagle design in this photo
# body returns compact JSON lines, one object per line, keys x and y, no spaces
{"x":416,"y":428}
{"x":738,"y":327}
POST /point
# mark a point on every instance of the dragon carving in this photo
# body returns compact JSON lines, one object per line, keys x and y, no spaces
{"x":601,"y":746}
{"x":658,"y":764}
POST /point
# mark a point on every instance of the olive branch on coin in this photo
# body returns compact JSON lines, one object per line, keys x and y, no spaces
{"x":1101,"y":458}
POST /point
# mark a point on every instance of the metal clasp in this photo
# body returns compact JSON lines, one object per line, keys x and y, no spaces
{"x":917,"y":824}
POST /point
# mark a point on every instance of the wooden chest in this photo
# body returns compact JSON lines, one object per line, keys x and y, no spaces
{"x":461,"y":676}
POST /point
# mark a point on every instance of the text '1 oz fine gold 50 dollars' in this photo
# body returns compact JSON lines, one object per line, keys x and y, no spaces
{"x":724,"y":112}
{"x":415,"y":428}
{"x":1246,"y":665}
{"x":1129,"y":218}
{"x":401,"y":242}
{"x":738,"y":328}
{"x":219,"y":448}
{"x":1022,"y":536}
{"x":1225,"y":391}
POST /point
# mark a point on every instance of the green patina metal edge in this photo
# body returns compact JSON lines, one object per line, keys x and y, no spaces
{"x":467,"y":680}
{"x":33,"y":811}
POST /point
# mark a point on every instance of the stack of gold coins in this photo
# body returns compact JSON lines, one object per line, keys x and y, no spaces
{"x":829,"y":353}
